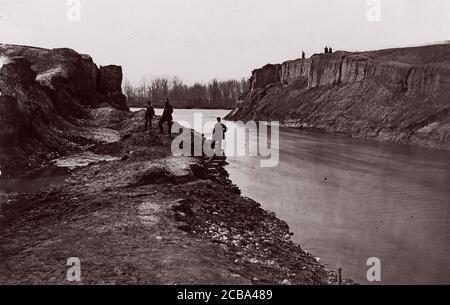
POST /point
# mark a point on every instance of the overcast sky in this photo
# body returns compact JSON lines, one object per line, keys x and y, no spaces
{"x":201,"y":39}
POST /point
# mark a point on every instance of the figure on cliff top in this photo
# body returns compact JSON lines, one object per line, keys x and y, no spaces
{"x":149,"y":114}
{"x":303,"y":54}
{"x":330,"y":50}
{"x":326,"y":50}
{"x":166,"y":117}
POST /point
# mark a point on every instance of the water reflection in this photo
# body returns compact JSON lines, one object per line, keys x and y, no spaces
{"x":35,"y":181}
{"x":350,"y":199}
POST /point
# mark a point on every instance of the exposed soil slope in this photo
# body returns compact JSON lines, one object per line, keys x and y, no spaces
{"x":45,"y":96}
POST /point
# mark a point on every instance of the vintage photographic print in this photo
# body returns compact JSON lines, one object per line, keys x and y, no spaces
{"x":248,"y":143}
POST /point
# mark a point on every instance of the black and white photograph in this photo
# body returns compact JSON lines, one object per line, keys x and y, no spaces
{"x":245,"y":144}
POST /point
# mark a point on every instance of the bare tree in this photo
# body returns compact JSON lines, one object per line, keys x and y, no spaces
{"x":215,"y":94}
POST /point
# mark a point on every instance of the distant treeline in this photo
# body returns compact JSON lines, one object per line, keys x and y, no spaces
{"x":215,"y":94}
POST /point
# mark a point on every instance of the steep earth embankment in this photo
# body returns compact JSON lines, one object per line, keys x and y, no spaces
{"x":400,"y":95}
{"x":45,"y":96}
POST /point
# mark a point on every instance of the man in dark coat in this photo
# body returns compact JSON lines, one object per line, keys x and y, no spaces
{"x":166,"y":117}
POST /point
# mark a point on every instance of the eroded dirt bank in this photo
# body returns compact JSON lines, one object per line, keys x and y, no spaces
{"x":147,"y":217}
{"x":394,"y":95}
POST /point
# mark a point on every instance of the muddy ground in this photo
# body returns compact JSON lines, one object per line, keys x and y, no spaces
{"x":139,"y":215}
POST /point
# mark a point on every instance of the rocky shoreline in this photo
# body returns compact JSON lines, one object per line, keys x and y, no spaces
{"x":147,"y":217}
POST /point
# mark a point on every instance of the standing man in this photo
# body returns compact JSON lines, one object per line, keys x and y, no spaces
{"x":149,"y":114}
{"x":218,"y":136}
{"x":166,"y":117}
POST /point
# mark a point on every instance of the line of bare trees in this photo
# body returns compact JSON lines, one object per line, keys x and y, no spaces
{"x":215,"y":94}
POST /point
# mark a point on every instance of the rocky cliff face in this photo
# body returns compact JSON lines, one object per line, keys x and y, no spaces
{"x":400,"y":95}
{"x":66,"y":70}
{"x":44,"y":96}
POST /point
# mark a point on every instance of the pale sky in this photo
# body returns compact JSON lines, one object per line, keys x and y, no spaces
{"x":198,"y":40}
